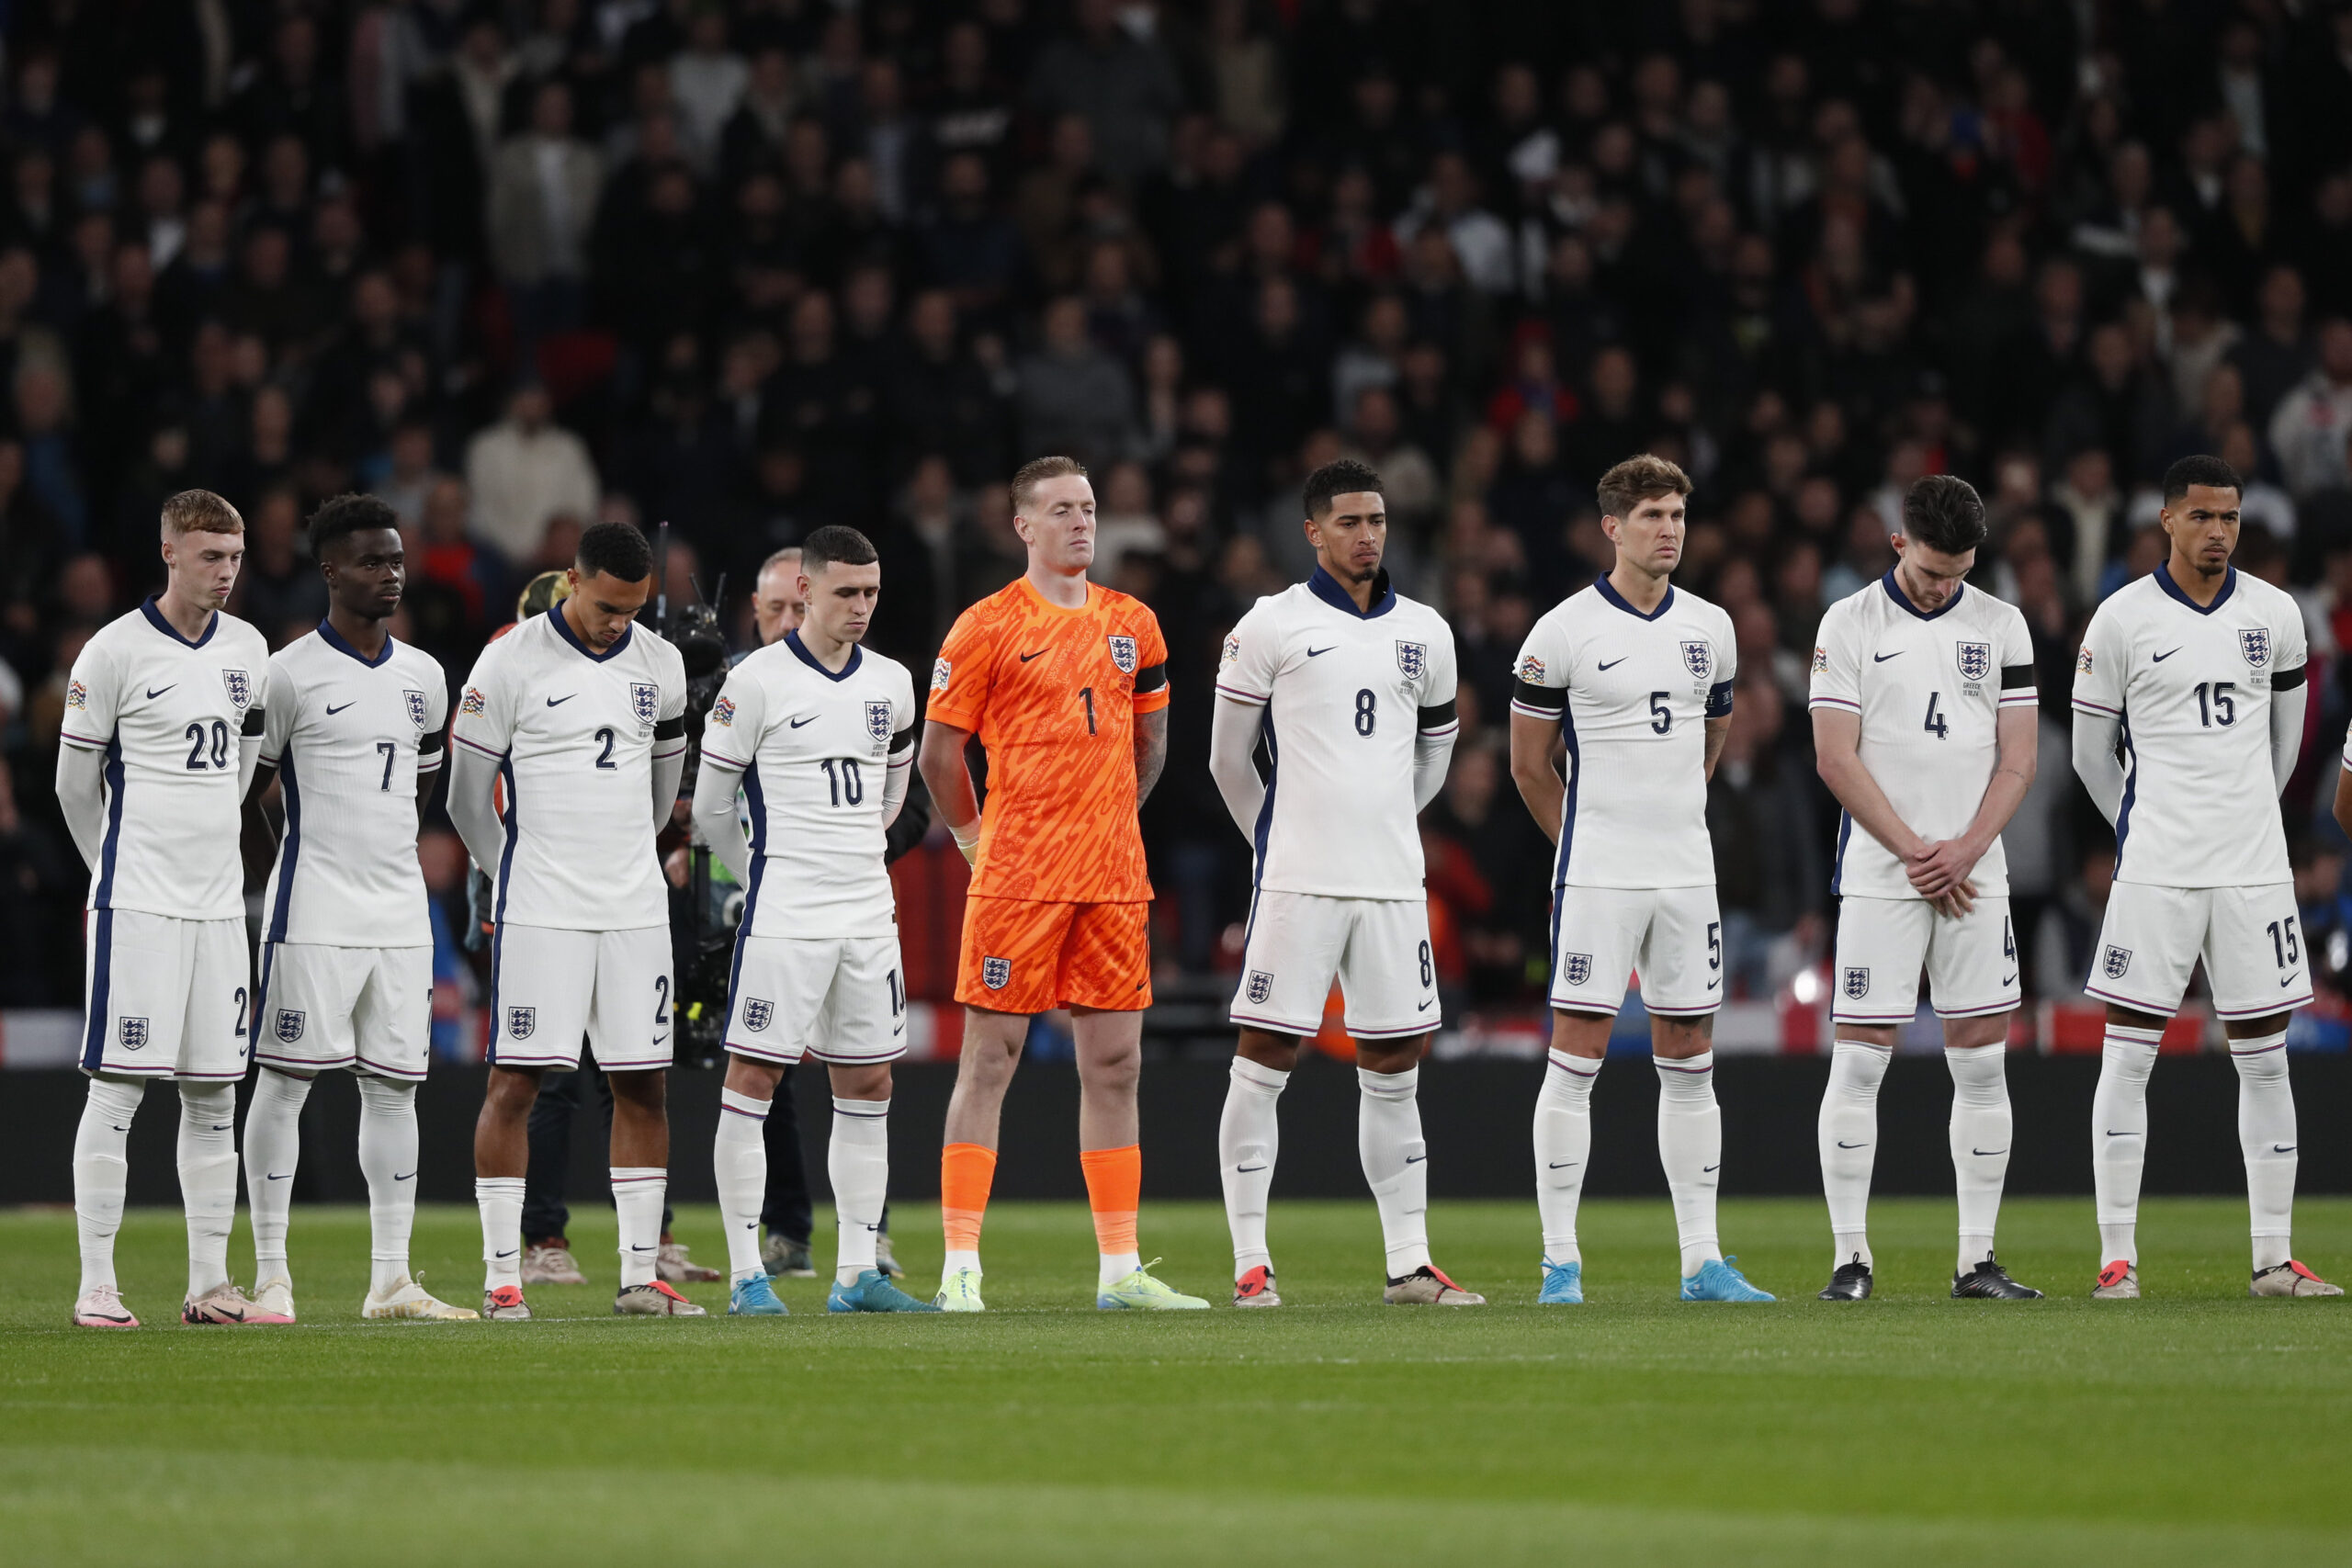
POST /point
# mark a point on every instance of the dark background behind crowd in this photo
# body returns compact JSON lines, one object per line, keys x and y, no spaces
{"x":755,"y":267}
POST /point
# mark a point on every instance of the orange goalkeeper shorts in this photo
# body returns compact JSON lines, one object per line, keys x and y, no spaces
{"x":1021,"y":955}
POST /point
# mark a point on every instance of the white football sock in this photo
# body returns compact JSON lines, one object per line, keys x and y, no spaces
{"x":1690,"y":1147}
{"x":1396,"y":1162}
{"x":1979,"y":1132}
{"x":1562,"y":1149}
{"x":207,"y":1160}
{"x":2267,"y":1137}
{"x":638,"y":1194}
{"x":387,"y":1159}
{"x":1248,"y":1136}
{"x":101,"y":1172}
{"x":273,"y":1145}
{"x":857,"y":1161}
{"x":1846,"y":1134}
{"x":740,"y":1159}
{"x":2119,"y":1137}
{"x":500,"y":1198}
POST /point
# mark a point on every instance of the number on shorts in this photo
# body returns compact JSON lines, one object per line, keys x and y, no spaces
{"x":848,"y":786}
{"x":605,"y":758}
{"x":898,"y":995}
{"x":1715,"y":944}
{"x":2009,"y":942}
{"x":1367,"y":712}
{"x":1936,"y":725}
{"x":390,"y":752}
{"x":660,"y":1001}
{"x":2216,"y":710}
{"x":2283,"y":942}
{"x":243,"y":1008}
{"x":1429,"y":971}
{"x":1661,"y":716}
{"x":202,"y":741}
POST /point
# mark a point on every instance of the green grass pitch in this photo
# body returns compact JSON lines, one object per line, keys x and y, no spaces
{"x":2195,"y":1425}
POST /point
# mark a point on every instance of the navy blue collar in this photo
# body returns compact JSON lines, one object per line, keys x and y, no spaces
{"x":1329,"y":588}
{"x":563,"y":629}
{"x":1608,"y":590}
{"x":335,"y":639}
{"x":1895,"y":592}
{"x":799,"y":651}
{"x":2165,"y":581}
{"x":156,"y":619}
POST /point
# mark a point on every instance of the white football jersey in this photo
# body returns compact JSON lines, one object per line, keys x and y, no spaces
{"x":1345,"y":692}
{"x":2192,"y":687}
{"x":353,"y":742}
{"x":169,"y":714}
{"x":576,"y":733}
{"x":815,"y":749}
{"x":1930,"y":686}
{"x":1632,"y":694}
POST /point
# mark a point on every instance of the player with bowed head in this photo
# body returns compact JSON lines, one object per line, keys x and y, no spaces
{"x":1924,"y":719}
{"x":817,"y":736}
{"x":580,"y":714}
{"x":1636,"y":676}
{"x":163,"y":729}
{"x":2197,"y":672}
{"x":1352,"y":686}
{"x":1065,"y":684}
{"x":353,"y":738}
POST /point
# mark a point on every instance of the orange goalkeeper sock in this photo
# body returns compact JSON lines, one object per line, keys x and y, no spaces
{"x":965,"y":1173}
{"x":1113,"y":1188}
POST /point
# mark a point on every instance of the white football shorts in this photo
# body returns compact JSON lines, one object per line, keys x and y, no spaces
{"x":166,"y":997}
{"x":2251,"y":940}
{"x":1883,"y":944}
{"x":369,"y":1009}
{"x":549,"y":986}
{"x":1378,"y":949}
{"x":836,"y":999}
{"x":1672,"y":937}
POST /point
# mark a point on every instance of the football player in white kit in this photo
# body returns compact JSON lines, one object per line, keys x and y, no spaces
{"x":1924,"y":718}
{"x":353,"y":738}
{"x":580,"y":714}
{"x":1635,"y":676}
{"x":2197,"y":672}
{"x":1350,"y":684}
{"x":163,"y":714}
{"x":816,"y":736}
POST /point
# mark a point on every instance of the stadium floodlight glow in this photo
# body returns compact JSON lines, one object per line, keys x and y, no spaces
{"x":1807,"y":986}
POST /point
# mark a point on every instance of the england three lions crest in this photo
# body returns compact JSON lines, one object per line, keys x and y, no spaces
{"x":133,"y":1032}
{"x":1261,"y":985}
{"x":645,"y":701}
{"x":1976,"y":660}
{"x":415,"y":701}
{"x":1575,"y":969}
{"x":2118,"y":964}
{"x":757,"y":1014}
{"x":877,"y":722}
{"x":290,"y":1025}
{"x":240,"y":687}
{"x":1412,"y":658}
{"x":996,"y":973}
{"x":2254,"y":643}
{"x":520,"y":1021}
{"x":1699,"y":658}
{"x":1122,"y":653}
{"x":1857,"y":984}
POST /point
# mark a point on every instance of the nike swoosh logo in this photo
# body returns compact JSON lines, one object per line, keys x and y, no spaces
{"x":155,"y":691}
{"x":2288,"y":981}
{"x":2113,"y":1134}
{"x":1564,"y":1163}
{"x":1415,"y":1160}
{"x":222,"y":1126}
{"x":1986,"y":1153}
{"x":2282,"y":1149}
{"x":2160,"y":658}
{"x":1245,"y":1169}
{"x":1614,"y":663}
{"x":1882,"y":657}
{"x":640,"y":1250}
{"x":900,"y":1029}
{"x":1843,"y":1144}
{"x":410,"y":1176}
{"x":1040,"y":654}
{"x":1319,"y":653}
{"x":273,"y":1176}
{"x":1714,"y":983}
{"x":559,"y":702}
{"x":331,"y":712}
{"x":1427,"y":1005}
{"x":798,"y":722}
{"x":508,"y":1253}
{"x":1712,"y":1169}
{"x":2008,"y":979}
{"x":662,"y":1040}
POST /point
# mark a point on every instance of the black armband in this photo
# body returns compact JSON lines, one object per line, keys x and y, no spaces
{"x":1719,"y":700}
{"x":670,"y":728}
{"x":428,"y":743}
{"x":2015,"y":675}
{"x":1551,"y":699}
{"x":2288,"y":679}
{"x":903,"y":742}
{"x":1150,"y":678}
{"x":253,"y":722}
{"x":1437,"y":718}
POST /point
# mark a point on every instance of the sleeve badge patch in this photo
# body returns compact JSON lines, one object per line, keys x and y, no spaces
{"x":473,"y":700}
{"x":1820,"y":659}
{"x":940,"y":671}
{"x":77,"y":695}
{"x":2083,"y":660}
{"x":1232,"y":654}
{"x":1531,"y":669}
{"x":722,"y":713}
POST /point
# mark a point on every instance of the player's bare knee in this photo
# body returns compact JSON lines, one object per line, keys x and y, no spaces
{"x":1675,"y":1038}
{"x":1279,"y":1052}
{"x":750,"y":1076}
{"x":2255,"y":1028}
{"x":2132,"y":1018}
{"x":861,"y":1081}
{"x":1880,"y":1035}
{"x":1580,"y":1034}
{"x":649,"y":1092}
{"x":1968,"y":1034}
{"x":511,"y":1091}
{"x":1391,"y":1056}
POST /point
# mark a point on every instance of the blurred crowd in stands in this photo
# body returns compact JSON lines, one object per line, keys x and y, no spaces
{"x":754,"y":266}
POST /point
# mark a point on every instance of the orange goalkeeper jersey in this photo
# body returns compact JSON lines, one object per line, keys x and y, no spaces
{"x":1053,"y":694}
